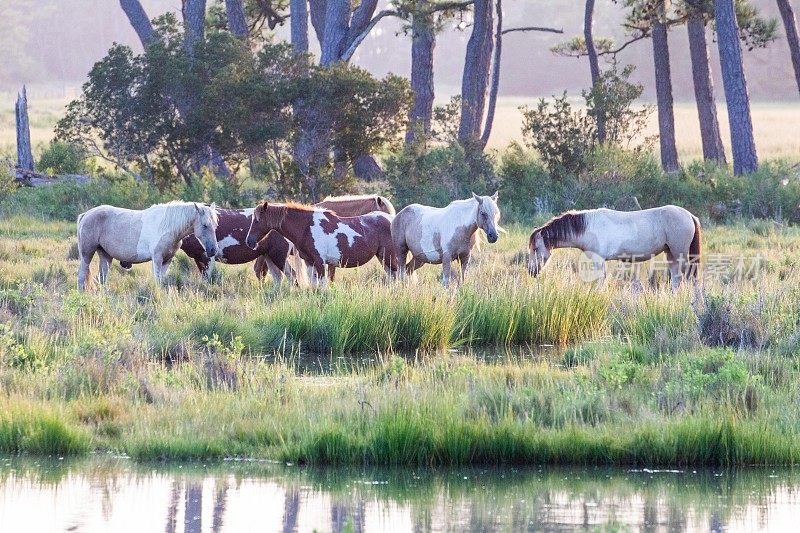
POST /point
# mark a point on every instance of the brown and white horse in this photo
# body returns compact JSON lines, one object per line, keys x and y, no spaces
{"x":132,"y":236}
{"x":273,"y":252}
{"x":441,"y":235}
{"x":632,"y":236}
{"x":357,"y":204}
{"x":324,"y":240}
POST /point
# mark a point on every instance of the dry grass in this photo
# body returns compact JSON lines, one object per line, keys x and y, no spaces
{"x":776,"y":125}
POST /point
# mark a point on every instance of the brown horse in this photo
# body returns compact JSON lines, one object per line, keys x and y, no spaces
{"x":231,"y":232}
{"x":357,"y":204}
{"x":325,"y":240}
{"x":273,"y":252}
{"x":344,"y":206}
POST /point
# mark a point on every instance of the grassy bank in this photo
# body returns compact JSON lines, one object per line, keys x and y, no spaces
{"x":637,"y":375}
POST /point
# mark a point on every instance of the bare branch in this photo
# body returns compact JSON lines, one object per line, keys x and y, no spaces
{"x":624,"y":45}
{"x":358,"y":39}
{"x":532,"y":28}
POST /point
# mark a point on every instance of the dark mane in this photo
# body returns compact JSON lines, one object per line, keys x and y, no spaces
{"x":559,"y":229}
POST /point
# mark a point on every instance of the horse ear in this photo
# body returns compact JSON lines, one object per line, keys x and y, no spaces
{"x":495,"y":195}
{"x":196,"y":207}
{"x":213,"y":206}
{"x":478,"y":198}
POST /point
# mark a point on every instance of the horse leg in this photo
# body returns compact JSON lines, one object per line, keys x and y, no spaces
{"x":464,"y":262}
{"x":83,"y":270}
{"x":105,"y":263}
{"x":158,"y":268}
{"x":389,"y":261}
{"x":401,"y":252}
{"x":331,"y":272}
{"x":447,"y":265}
{"x":676,"y":272}
{"x":202,"y":267}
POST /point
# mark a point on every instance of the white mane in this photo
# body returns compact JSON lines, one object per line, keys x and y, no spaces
{"x":178,"y":215}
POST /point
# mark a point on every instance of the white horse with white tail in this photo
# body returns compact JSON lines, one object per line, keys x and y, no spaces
{"x":132,"y":236}
{"x":442,"y":235}
{"x":632,"y":236}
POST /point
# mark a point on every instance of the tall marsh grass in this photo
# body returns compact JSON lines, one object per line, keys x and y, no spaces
{"x":192,"y":370}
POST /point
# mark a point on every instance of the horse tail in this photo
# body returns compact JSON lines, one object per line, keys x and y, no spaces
{"x":296,"y":263}
{"x":694,"y":249}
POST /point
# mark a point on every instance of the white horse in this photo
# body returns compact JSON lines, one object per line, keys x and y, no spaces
{"x":441,"y":235}
{"x":132,"y":236}
{"x":632,"y":236}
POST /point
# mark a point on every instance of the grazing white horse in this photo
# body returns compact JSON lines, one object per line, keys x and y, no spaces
{"x":605,"y":234}
{"x":132,"y":236}
{"x":441,"y":235}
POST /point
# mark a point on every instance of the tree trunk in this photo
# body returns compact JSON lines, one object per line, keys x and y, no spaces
{"x":423,"y":43}
{"x":299,"y":25}
{"x":237,"y":23}
{"x":745,"y":158}
{"x":713,"y":149}
{"x":139,"y":21}
{"x":24,"y":153}
{"x":475,"y":78}
{"x":495,"y":87}
{"x":790,"y":25}
{"x":666,"y":118}
{"x":337,"y":24}
{"x":194,"y":23}
{"x":594,"y":64}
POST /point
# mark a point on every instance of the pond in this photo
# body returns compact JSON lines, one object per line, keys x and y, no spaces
{"x":116,"y":494}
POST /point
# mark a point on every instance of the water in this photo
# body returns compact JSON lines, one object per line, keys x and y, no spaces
{"x":115,"y":494}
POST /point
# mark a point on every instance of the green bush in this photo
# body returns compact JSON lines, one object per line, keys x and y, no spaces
{"x":438,"y":176}
{"x":64,"y":158}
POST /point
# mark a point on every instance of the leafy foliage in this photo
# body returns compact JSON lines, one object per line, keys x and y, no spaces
{"x":64,"y":158}
{"x":564,"y":137}
{"x":155,"y":115}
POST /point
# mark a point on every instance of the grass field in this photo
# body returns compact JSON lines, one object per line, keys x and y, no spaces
{"x":775,"y":126}
{"x":635,"y":374}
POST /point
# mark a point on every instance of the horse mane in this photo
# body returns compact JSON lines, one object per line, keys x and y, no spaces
{"x":274,"y":214}
{"x":560,"y":228}
{"x":347,"y":197}
{"x":179,"y":214}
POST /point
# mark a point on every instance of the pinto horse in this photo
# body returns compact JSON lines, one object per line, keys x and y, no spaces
{"x":273,"y":251}
{"x":632,"y":236}
{"x":274,"y":254}
{"x":441,"y":235}
{"x":132,"y":236}
{"x":324,"y":240}
{"x":357,"y":204}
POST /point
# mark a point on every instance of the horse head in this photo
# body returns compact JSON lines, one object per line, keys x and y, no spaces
{"x":205,"y":228}
{"x":488,"y":217}
{"x":538,"y":253}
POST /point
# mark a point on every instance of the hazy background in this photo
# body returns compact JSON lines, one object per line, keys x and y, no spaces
{"x":52,"y":44}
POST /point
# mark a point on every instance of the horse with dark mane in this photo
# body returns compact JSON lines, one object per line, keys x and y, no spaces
{"x":324,"y":240}
{"x":632,"y":236}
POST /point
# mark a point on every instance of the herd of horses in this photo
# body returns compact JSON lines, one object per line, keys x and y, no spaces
{"x":308,"y":242}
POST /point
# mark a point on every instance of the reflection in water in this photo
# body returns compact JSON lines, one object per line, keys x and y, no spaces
{"x":112,"y":494}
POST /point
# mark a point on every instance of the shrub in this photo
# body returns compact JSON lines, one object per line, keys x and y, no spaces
{"x":64,"y":158}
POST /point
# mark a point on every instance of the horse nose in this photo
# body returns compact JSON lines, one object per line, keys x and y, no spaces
{"x":493,"y":237}
{"x":251,"y":242}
